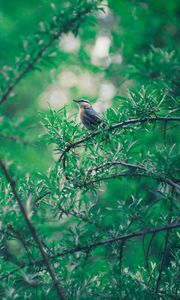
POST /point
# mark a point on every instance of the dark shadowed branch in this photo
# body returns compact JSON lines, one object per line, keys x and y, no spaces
{"x":148,"y":250}
{"x":161,"y":266}
{"x":165,"y":250}
{"x":33,"y":231}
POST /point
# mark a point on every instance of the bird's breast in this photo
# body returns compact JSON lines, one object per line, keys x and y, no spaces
{"x":84,"y":118}
{"x":81,"y":113}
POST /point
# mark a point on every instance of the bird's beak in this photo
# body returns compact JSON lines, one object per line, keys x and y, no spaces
{"x":77,"y":101}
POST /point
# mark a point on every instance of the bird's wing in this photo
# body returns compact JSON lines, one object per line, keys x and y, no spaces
{"x":92,"y":116}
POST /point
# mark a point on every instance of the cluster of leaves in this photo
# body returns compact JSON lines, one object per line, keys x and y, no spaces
{"x":159,"y":67}
{"x":102,"y":222}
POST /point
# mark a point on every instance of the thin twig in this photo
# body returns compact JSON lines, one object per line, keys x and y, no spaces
{"x":41,"y":197}
{"x":168,"y":296}
{"x":172,"y":183}
{"x":164,"y":254}
{"x":33,"y":231}
{"x":148,"y":250}
{"x":144,"y":252}
{"x":161,"y":266}
{"x":121,"y":255}
{"x":20,"y":237}
{"x":116,"y":163}
{"x":86,"y":220}
{"x":12,"y":272}
{"x":120,"y":262}
{"x":165,"y":128}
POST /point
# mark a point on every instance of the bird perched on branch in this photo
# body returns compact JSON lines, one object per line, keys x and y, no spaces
{"x":88,"y":116}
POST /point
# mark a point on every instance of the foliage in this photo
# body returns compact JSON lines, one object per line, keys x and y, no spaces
{"x":92,"y":215}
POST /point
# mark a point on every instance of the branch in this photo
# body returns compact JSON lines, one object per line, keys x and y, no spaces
{"x":116,"y":163}
{"x":12,"y":272}
{"x":173,"y":184}
{"x":161,"y":266}
{"x":117,"y":126}
{"x":41,"y":197}
{"x":118,"y":175}
{"x":76,"y":17}
{"x":33,"y":231}
{"x":105,"y":242}
{"x":20,"y":237}
{"x":148,"y":251}
{"x":165,"y":250}
{"x":121,"y":256}
{"x":116,"y":239}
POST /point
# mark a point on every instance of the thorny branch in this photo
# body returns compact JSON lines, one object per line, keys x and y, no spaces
{"x":33,"y":231}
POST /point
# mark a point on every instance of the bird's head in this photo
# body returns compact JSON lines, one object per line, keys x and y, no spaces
{"x":82,"y":103}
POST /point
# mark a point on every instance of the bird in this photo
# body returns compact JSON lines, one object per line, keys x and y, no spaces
{"x":88,"y":116}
